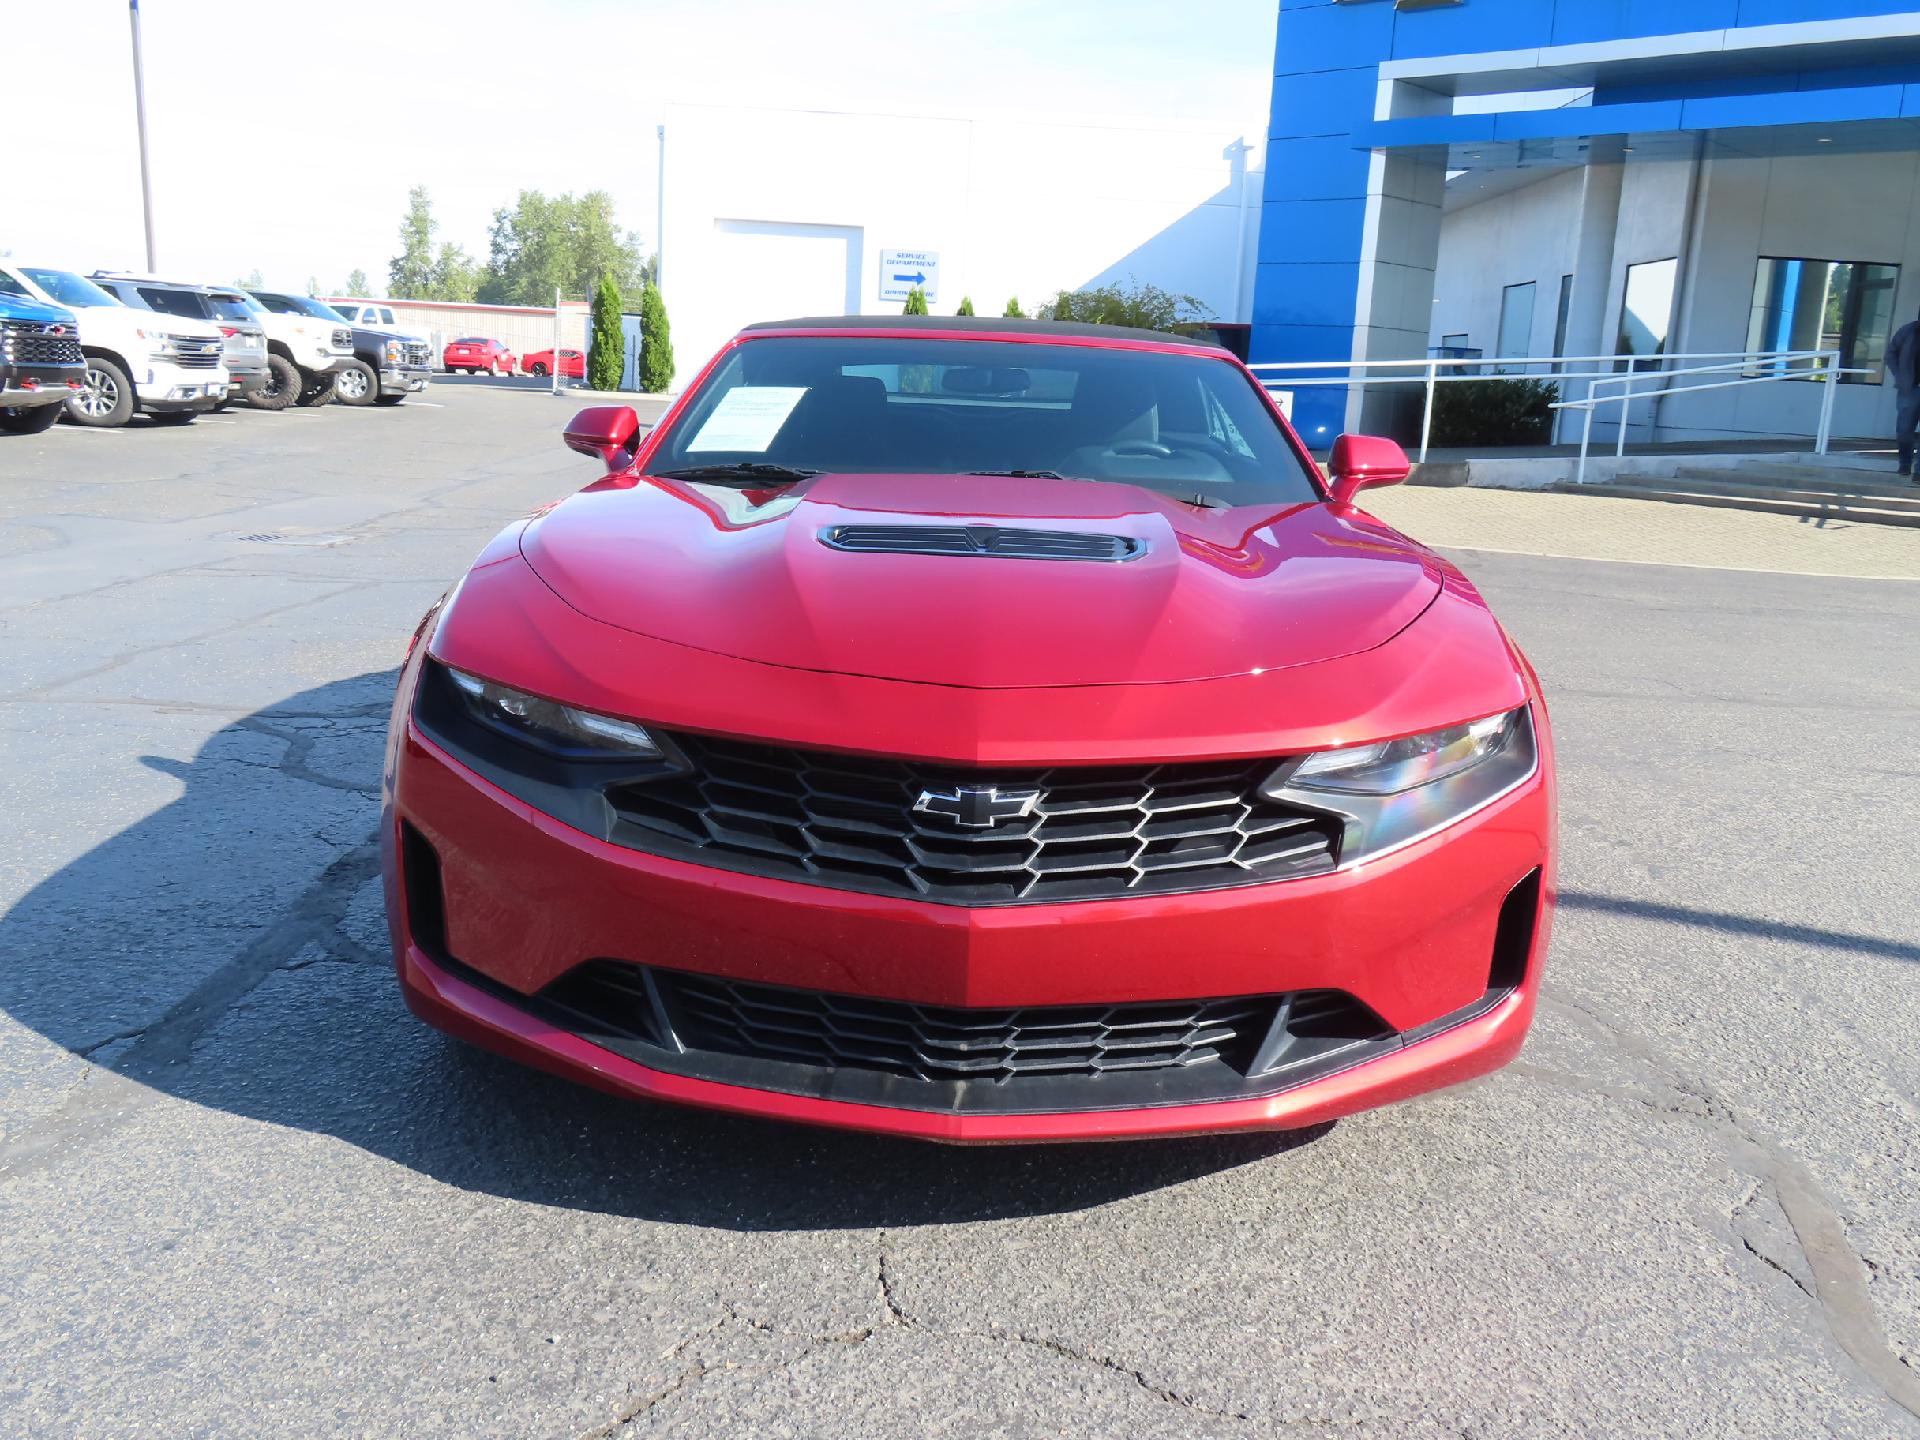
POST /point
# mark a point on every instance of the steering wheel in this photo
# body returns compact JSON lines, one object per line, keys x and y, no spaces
{"x":1142,"y":448}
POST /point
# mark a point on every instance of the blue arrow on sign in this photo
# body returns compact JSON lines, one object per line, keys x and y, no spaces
{"x":912,"y":279}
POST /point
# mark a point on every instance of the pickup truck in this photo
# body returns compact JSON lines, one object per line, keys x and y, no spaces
{"x":246,"y":338}
{"x":170,"y":367}
{"x":387,"y":366}
{"x":307,"y":348}
{"x":40,"y":363}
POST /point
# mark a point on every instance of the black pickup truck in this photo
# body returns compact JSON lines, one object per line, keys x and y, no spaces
{"x":387,"y":365}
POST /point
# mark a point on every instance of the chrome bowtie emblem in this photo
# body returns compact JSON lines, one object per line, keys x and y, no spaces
{"x":977,"y":807}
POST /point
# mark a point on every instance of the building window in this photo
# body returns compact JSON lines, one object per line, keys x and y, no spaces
{"x":1844,"y":305}
{"x":1646,"y":317}
{"x":1516,"y":326}
{"x":1564,"y":315}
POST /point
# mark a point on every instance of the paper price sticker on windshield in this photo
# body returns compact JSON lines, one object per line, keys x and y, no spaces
{"x":747,"y":418}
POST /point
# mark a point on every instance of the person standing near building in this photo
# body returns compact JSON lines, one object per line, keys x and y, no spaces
{"x":1903,"y":364}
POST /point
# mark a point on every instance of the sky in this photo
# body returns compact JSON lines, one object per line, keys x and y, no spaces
{"x":284,"y":138}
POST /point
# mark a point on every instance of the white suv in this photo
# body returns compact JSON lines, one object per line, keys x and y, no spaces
{"x":308,"y":345}
{"x":169,"y":366}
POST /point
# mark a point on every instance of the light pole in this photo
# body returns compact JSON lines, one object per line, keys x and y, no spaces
{"x":660,"y":213}
{"x":140,"y":117}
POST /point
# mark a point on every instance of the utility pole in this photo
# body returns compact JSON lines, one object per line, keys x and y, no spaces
{"x":140,"y":115}
{"x":660,"y":214}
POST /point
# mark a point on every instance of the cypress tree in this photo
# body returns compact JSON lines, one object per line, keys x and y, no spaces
{"x":966,"y":305}
{"x":606,"y":353}
{"x":656,"y":342}
{"x":916,"y":302}
{"x":1013,"y":310}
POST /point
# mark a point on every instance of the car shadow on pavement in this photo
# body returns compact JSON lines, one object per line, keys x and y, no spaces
{"x":261,"y":987}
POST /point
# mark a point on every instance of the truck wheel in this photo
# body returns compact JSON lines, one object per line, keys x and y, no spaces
{"x":282,"y":387}
{"x":28,"y":419}
{"x":389,"y":399}
{"x":319,"y":393}
{"x":538,"y":369}
{"x":356,"y":384}
{"x":105,"y":396}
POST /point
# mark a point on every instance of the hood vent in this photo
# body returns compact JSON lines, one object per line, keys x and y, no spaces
{"x":988,"y":541}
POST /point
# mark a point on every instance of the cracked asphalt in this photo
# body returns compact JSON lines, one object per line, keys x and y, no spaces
{"x":243,"y":1193}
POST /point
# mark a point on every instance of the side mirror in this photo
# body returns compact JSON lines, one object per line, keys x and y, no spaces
{"x":605,"y":431}
{"x":1360,"y":462}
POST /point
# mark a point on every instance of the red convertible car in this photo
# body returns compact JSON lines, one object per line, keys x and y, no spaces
{"x":977,"y":730}
{"x":573,"y":364}
{"x":475,"y":354}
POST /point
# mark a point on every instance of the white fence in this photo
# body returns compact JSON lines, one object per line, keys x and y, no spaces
{"x":1752,"y":367}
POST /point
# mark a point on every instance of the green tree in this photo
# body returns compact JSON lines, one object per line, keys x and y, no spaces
{"x":1013,"y":310}
{"x":255,"y":281}
{"x":313,"y":285}
{"x":916,"y":302}
{"x":410,"y":273}
{"x":455,"y":275}
{"x":357,"y":283}
{"x":565,"y":242}
{"x":1146,"y":307}
{"x":966,"y":305}
{"x":656,"y":342}
{"x":606,"y":350}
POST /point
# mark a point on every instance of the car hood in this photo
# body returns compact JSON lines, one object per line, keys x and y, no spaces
{"x":1212,"y":593}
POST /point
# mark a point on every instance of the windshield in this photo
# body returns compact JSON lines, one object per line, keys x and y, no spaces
{"x":228,"y":306}
{"x":68,"y":288}
{"x":1189,"y":426}
{"x":298,"y":305}
{"x":174,"y":302}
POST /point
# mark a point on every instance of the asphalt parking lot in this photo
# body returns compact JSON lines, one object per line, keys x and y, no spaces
{"x":243,"y":1193}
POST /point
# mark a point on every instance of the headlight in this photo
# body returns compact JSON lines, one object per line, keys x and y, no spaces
{"x":394,"y":351}
{"x":1390,"y":767}
{"x":1392,"y":792}
{"x":549,"y":724}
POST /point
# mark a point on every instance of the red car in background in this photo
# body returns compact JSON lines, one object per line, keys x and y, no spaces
{"x":573,"y":363}
{"x":475,"y":353}
{"x":976,"y":730}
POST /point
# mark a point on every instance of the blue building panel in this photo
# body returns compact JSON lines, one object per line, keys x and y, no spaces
{"x":1793,"y":107}
{"x":1322,"y":169}
{"x":1293,"y":231}
{"x":1323,"y":102}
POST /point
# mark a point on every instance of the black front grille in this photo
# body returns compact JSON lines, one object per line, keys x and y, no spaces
{"x":936,"y":1057}
{"x":418,"y":353}
{"x":1087,"y":833}
{"x":991,"y":541}
{"x":26,"y":342}
{"x":926,"y":1042}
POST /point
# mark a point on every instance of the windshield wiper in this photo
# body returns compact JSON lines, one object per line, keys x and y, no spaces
{"x":1023,"y":474}
{"x":1204,"y":502}
{"x":742,"y":471}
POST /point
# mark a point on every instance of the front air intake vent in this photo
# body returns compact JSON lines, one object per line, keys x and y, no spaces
{"x":983,"y":541}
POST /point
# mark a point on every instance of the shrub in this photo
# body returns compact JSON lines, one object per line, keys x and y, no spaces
{"x":916,"y":302}
{"x":1145,"y":307}
{"x":966,"y":305}
{"x":1493,"y":412}
{"x":607,"y":352}
{"x":656,"y":342}
{"x":1013,"y":310}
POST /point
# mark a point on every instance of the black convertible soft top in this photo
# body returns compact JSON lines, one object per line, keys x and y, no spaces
{"x":960,"y":324}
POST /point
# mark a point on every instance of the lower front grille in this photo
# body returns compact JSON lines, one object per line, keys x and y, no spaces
{"x":934,"y":1057}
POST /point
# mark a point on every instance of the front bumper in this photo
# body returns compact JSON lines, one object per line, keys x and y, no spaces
{"x":24,"y":386}
{"x":524,"y":899}
{"x":245,"y":382}
{"x":404,"y":379}
{"x":164,"y":386}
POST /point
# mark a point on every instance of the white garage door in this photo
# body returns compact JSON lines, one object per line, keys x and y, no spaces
{"x":777,"y":271}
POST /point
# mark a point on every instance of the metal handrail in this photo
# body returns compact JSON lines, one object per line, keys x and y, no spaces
{"x":1826,"y":368}
{"x":1429,"y":374}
